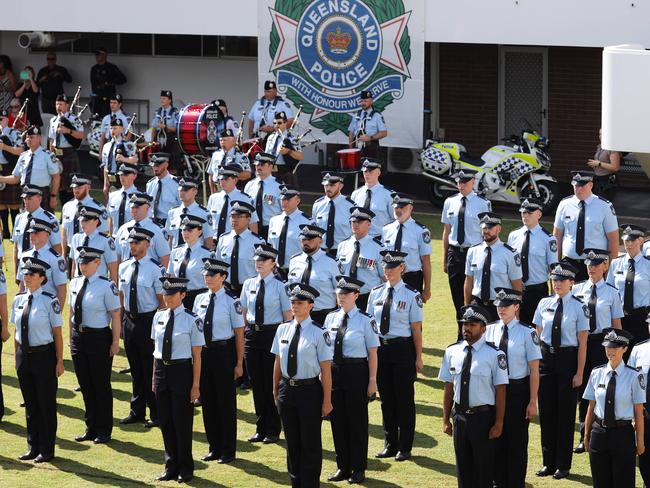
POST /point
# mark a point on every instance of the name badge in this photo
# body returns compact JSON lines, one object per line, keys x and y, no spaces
{"x":284,"y":341}
{"x":550,"y":310}
{"x":253,"y":292}
{"x":601,"y":386}
{"x":618,"y":272}
{"x":452,"y":369}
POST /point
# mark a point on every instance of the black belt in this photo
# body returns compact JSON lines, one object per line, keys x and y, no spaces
{"x":637,"y":311}
{"x":172,"y":362}
{"x":519,"y":381}
{"x":308,"y":381}
{"x":618,"y":423}
{"x":571,"y":260}
{"x":44,"y":347}
{"x":261,"y":328}
{"x":394,"y":340}
{"x":351,"y":361}
{"x":221,"y":343}
{"x":558,"y":350}
{"x":473,"y":410}
{"x":197,"y":291}
{"x":481,"y":302}
{"x":599,"y":336}
{"x":538,"y":285}
{"x":412,"y":272}
{"x":94,"y":330}
{"x":459,"y":248}
{"x":136,"y":316}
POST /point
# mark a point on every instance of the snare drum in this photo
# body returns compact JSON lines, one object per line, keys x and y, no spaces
{"x":349,"y":159}
{"x":148,"y":151}
{"x":251,"y":147}
{"x":198,"y":128}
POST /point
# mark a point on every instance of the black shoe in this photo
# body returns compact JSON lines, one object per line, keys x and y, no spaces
{"x":211,"y":456}
{"x":150,"y":424}
{"x":339,"y":475}
{"x":357,"y":477}
{"x":85,"y":437}
{"x":166,"y":476}
{"x":126,"y":371}
{"x":246,"y":385}
{"x":561,"y":473}
{"x":256,"y":438}
{"x":271,"y":439}
{"x":226,"y":459}
{"x":102,"y":439}
{"x":545,"y":471}
{"x":580,"y":448}
{"x":386,"y":453}
{"x":185,"y":478}
{"x":131,"y":419}
{"x":22,"y":404}
{"x":403,"y":456}
{"x":77,"y":388}
{"x":28,"y":456}
{"x":43,"y":459}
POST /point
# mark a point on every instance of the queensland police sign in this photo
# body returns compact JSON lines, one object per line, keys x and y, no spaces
{"x":322,"y":53}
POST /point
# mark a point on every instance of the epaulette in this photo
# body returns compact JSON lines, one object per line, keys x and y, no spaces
{"x":409,"y":287}
{"x":609,"y":284}
{"x":454,"y":343}
{"x":160,"y":225}
{"x":49,"y":214}
{"x":97,"y":202}
{"x":207,"y":248}
{"x":580,"y":282}
{"x":619,"y":257}
{"x":547,"y":232}
{"x":48,"y":294}
{"x":576,"y":298}
{"x":647,"y":257}
{"x":232,"y":294}
{"x":378,"y":286}
{"x":377,"y":239}
{"x":509,"y":247}
{"x":331,"y":257}
{"x":243,"y":193}
{"x":363,"y":312}
{"x":152,"y":179}
{"x":350,"y":200}
{"x":482,"y":196}
{"x":55,"y":253}
{"x":603,"y":199}
{"x":420,"y":224}
{"x":104,"y":278}
{"x":305,"y":215}
{"x":319,"y":199}
{"x":295,"y":255}
{"x":642,"y":342}
{"x":567,"y":198}
{"x":201,"y":206}
{"x":476,"y":245}
{"x":24,"y":293}
{"x":492,"y":345}
{"x":320,"y":326}
{"x":157,"y":263}
{"x":600,"y":366}
{"x":189,"y":312}
{"x":530,"y":326}
{"x":257,"y":235}
{"x":632,"y":368}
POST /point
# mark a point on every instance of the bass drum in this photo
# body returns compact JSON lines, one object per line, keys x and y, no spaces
{"x":198,"y":128}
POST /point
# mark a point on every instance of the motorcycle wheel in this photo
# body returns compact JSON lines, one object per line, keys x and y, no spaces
{"x":439,"y":192}
{"x":549,"y":194}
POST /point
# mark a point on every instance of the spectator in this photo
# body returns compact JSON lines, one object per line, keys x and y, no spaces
{"x":30,"y":90}
{"x":104,"y":76}
{"x":605,"y":164}
{"x":7,"y":82}
{"x":14,"y":108}
{"x":50,"y":79}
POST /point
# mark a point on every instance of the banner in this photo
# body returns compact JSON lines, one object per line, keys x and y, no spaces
{"x":323,"y":53}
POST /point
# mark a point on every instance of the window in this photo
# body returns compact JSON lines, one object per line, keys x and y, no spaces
{"x":90,"y":42}
{"x":238,"y":46}
{"x":136,"y":44}
{"x":177,"y":45}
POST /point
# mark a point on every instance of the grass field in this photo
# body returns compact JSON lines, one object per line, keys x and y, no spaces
{"x":135,"y":456}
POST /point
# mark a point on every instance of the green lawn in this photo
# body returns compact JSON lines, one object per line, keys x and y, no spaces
{"x":135,"y":456}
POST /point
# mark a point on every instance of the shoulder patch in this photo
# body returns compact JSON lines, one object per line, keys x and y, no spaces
{"x":61,"y":265}
{"x":640,"y":378}
{"x":111,"y":243}
{"x":535,"y":337}
{"x":418,"y":300}
{"x":199,"y":324}
{"x":56,"y":306}
{"x":518,"y":259}
{"x":328,"y":339}
{"x":552,"y":244}
{"x":501,"y":359}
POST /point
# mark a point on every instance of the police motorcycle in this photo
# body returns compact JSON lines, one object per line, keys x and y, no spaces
{"x":505,"y":173}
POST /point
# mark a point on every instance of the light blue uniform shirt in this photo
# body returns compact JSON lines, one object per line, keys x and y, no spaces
{"x":314,"y":347}
{"x":62,"y":142}
{"x":113,"y":207}
{"x":168,"y":198}
{"x":575,"y":318}
{"x":21,"y":224}
{"x":523,"y":346}
{"x":381,"y":204}
{"x":296,"y":219}
{"x":100,"y":299}
{"x":194,"y":266}
{"x":640,"y":358}
{"x":226,"y":314}
{"x":324,"y":270}
{"x":158,"y":248}
{"x":600,"y":218}
{"x":618,"y":271}
{"x":187,"y":333}
{"x":274,"y":144}
{"x":265,"y":110}
{"x":646,"y":248}
{"x":630,"y":390}
{"x":167,"y":116}
{"x":474,"y":205}
{"x":416,"y":241}
{"x":247,"y":241}
{"x":361,"y":335}
{"x":109,"y":154}
{"x":608,"y":303}
{"x":106,"y":122}
{"x":276,"y":300}
{"x":69,"y":215}
{"x":370,"y":121}
{"x":369,"y":269}
{"x":44,"y":316}
{"x":487,"y":371}
{"x":406,"y":308}
{"x":504,"y":269}
{"x":270,"y":196}
{"x":176,"y":214}
{"x":342,"y":205}
{"x":216,"y":203}
{"x":56,"y":275}
{"x":220,"y":158}
{"x":542,"y":252}
{"x":148,"y":284}
{"x":44,"y":165}
{"x":97,"y":241}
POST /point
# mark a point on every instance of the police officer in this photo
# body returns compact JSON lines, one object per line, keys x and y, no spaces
{"x":460,"y":232}
{"x":115,"y":113}
{"x":65,"y":133}
{"x":265,"y":306}
{"x":355,"y":338}
{"x":94,"y":304}
{"x":630,"y":273}
{"x":228,"y":154}
{"x":264,"y":189}
{"x":118,"y":200}
{"x":367,"y":127}
{"x":537,"y":249}
{"x":37,"y":166}
{"x":315,"y":267}
{"x":520,"y":342}
{"x":397,"y":308}
{"x":39,"y":358}
{"x":374,"y":196}
{"x":219,"y":204}
{"x":231,"y":123}
{"x":188,"y":188}
{"x":186,"y":260}
{"x":139,"y":204}
{"x":490,"y":264}
{"x":475,"y":375}
{"x":562,"y":322}
{"x":260,"y":116}
{"x":90,"y":237}
{"x":616,"y":394}
{"x":141,"y":295}
{"x":302,"y":385}
{"x":359,"y":255}
{"x":10,"y":148}
{"x":406,"y":234}
{"x":284,"y":229}
{"x":283,"y":146}
{"x":221,"y":359}
{"x":332,"y":211}
{"x":163,"y":188}
{"x":237,"y":247}
{"x":605,"y":311}
{"x":115,"y":153}
{"x":178,"y":341}
{"x":163,"y":125}
{"x":584,"y":221}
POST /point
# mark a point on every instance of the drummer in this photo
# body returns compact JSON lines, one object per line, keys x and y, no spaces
{"x":227,"y":154}
{"x":367,"y":127}
{"x":163,"y":125}
{"x":231,"y":123}
{"x":261,"y":114}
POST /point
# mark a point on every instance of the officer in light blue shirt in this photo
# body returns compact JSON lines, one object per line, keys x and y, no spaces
{"x":36,"y":166}
{"x":640,"y":359}
{"x":118,"y":200}
{"x":163,"y":188}
{"x":90,"y":237}
{"x":116,"y":152}
{"x":32,"y":198}
{"x":228,"y":154}
{"x":80,"y":185}
{"x":116,"y":103}
{"x":621,"y":271}
{"x":188,"y":189}
{"x":164,"y":120}
{"x":367,"y":127}
{"x":374,"y":196}
{"x":261,"y":114}
{"x":264,"y":189}
{"x":219,"y":204}
{"x":332,"y":211}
